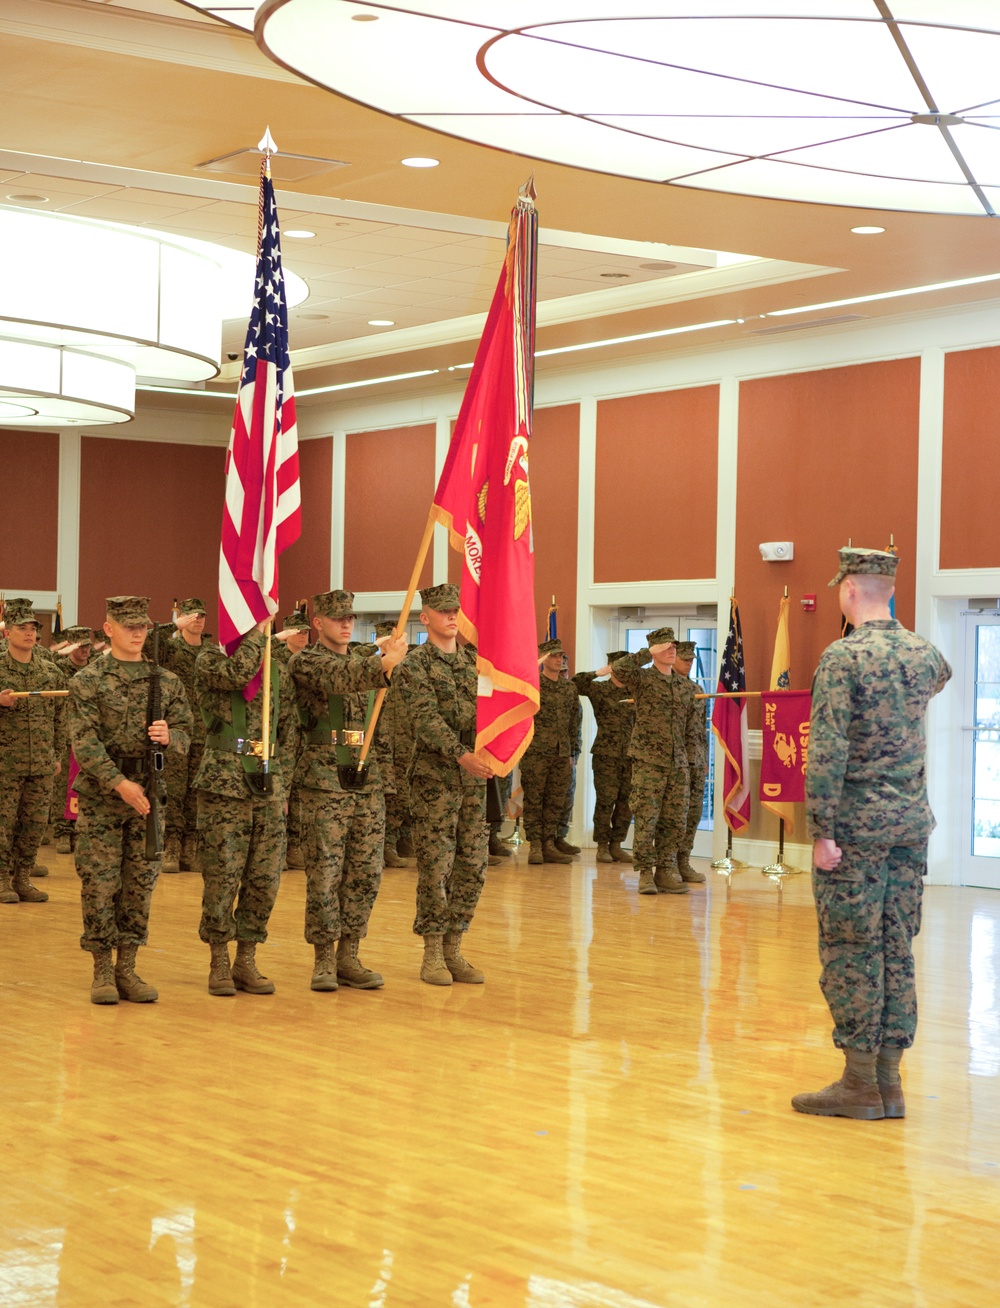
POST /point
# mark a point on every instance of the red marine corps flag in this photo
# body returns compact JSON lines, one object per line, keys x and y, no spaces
{"x":484,"y":500}
{"x":261,"y":517}
{"x":729,"y":722}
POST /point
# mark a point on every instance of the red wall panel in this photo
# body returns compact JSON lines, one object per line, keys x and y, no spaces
{"x":29,"y":516}
{"x":555,"y":479}
{"x":970,"y":471}
{"x":305,"y":566}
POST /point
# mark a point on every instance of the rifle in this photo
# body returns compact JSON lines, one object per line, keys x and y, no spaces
{"x":155,"y":784}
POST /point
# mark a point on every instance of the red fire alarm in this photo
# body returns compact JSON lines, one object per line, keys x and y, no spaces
{"x":808,"y":603}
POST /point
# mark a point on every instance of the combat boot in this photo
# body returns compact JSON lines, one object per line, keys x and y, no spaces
{"x":433,"y":968}
{"x":499,"y":848}
{"x":688,"y":873}
{"x":8,"y":895}
{"x":350,"y":969}
{"x":103,"y":990}
{"x":390,"y":857}
{"x":294,"y":859}
{"x":47,"y":837}
{"x":855,"y":1095}
{"x":619,"y":855}
{"x":65,"y":845}
{"x":646,"y":886}
{"x":190,"y":860}
{"x":553,"y":854}
{"x":564,"y":847}
{"x":130,"y":986}
{"x":889,"y":1084}
{"x":171,"y":855}
{"x":220,"y":977}
{"x":26,"y":892}
{"x":324,"y":975}
{"x":404,"y":847}
{"x":604,"y":854}
{"x":245,"y":974}
{"x":668,"y":881}
{"x":461,"y":969}
{"x":39,"y":870}
{"x":535,"y":854}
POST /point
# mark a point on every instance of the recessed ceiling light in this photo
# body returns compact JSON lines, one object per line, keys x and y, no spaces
{"x":299,"y":235}
{"x":614,"y":277}
{"x":364,"y":18}
{"x":657,"y":267}
{"x":867,"y":231}
{"x":314,"y":317}
{"x":381,"y":322}
{"x":28,"y":199}
{"x":417,"y":162}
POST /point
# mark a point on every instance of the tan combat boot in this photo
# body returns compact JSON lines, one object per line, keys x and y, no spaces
{"x":351,"y":971}
{"x":190,"y":860}
{"x":604,"y":854}
{"x":171,"y":855}
{"x":619,"y":855}
{"x":324,"y":975}
{"x":130,"y":986}
{"x":26,"y":892}
{"x":103,"y":990}
{"x":889,"y":1084}
{"x":245,"y":974}
{"x":39,"y":870}
{"x":552,"y":853}
{"x":390,"y":857}
{"x":460,"y":968}
{"x":294,"y":859}
{"x":404,"y":847}
{"x":855,"y":1095}
{"x":499,"y":848}
{"x":433,"y":968}
{"x":65,"y":845}
{"x":535,"y":854}
{"x":220,"y":977}
{"x":668,"y":881}
{"x":8,"y":895}
{"x":564,"y":847}
{"x":688,"y":873}
{"x":646,"y":886}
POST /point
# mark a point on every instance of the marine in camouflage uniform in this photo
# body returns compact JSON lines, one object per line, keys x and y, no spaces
{"x":240,"y":806}
{"x":343,"y":808}
{"x":547,"y":763}
{"x":699,"y":769}
{"x":178,"y":646}
{"x":69,"y":660}
{"x":664,"y":743}
{"x":867,"y":810}
{"x":109,"y":701}
{"x":32,"y":741}
{"x":611,"y":764}
{"x":395,"y":728}
{"x":566,"y":816}
{"x":297,"y":626}
{"x":447,"y":789}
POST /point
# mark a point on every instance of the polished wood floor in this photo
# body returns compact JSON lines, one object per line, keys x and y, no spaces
{"x":605,"y":1122}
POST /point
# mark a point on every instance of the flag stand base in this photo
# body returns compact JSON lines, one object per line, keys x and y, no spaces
{"x":777,"y":871}
{"x":727,"y":866}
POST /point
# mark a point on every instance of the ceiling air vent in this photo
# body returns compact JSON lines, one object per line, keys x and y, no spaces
{"x":284,"y":167}
{"x":802,"y":326}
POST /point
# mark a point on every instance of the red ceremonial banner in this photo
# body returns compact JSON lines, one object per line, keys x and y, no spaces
{"x":72,"y":808}
{"x":785,"y":746}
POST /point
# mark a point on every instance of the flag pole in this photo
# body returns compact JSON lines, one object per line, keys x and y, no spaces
{"x":404,"y":614}
{"x":265,"y":708}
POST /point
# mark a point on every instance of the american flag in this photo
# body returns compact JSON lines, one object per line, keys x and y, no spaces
{"x":729,"y":723}
{"x":262,"y":514}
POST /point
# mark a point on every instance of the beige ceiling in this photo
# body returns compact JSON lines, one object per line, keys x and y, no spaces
{"x":110,"y":106}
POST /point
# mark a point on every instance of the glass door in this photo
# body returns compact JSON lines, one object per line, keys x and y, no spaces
{"x":980,"y":863}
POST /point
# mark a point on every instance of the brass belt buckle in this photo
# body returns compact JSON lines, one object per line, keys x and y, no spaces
{"x":254,"y":748}
{"x":355,"y":739}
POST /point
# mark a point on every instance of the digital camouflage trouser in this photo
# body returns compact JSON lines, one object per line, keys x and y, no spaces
{"x":612,"y":784}
{"x":545,"y":782}
{"x":659,"y":799}
{"x":869,"y":911}
{"x":450,"y":835}
{"x":241,"y":845}
{"x":343,"y":844}
{"x":696,"y":803}
{"x":117,"y":880}
{"x":24,"y":815}
{"x":182,"y":799}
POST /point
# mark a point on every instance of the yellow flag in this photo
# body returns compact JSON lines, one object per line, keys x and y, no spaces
{"x":781,"y":679}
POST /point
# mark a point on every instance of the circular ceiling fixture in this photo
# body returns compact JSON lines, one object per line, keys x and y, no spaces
{"x":889,"y":104}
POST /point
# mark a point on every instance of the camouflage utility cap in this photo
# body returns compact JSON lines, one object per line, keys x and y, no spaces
{"x":865,"y":563}
{"x":614,"y":655}
{"x":553,"y":646}
{"x":193,"y":605}
{"x":18,"y":611}
{"x":441,"y":598}
{"x":296,"y":622}
{"x":661,"y":636}
{"x":129,"y":610}
{"x":384,"y":629}
{"x":685,"y":649}
{"x":76,"y":635}
{"x":334,"y":604}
